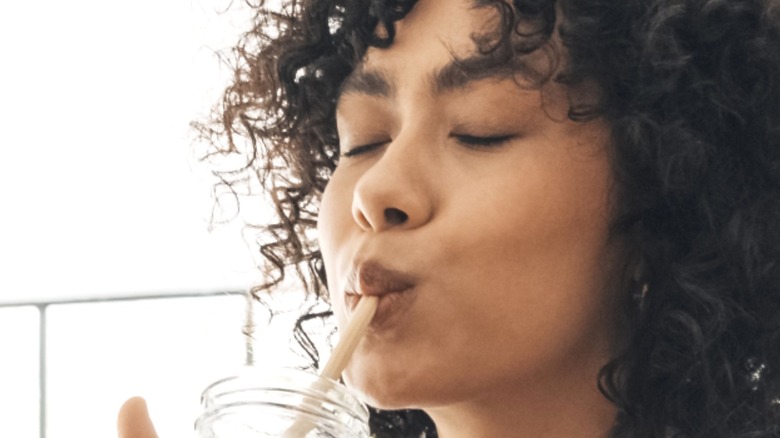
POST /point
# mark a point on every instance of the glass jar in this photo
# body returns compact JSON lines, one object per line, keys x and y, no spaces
{"x":266,"y":403}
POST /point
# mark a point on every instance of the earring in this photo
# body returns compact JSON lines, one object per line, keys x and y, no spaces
{"x":642,"y":294}
{"x":642,"y":286}
{"x":639,"y":295}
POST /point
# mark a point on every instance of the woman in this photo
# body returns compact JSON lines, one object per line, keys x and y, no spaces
{"x":568,"y":208}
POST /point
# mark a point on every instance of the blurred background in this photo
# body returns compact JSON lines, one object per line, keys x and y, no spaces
{"x":112,"y":283}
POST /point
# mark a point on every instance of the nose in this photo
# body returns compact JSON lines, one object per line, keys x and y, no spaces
{"x":395,"y":192}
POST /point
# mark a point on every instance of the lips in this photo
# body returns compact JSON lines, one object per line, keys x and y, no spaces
{"x":394,"y":289}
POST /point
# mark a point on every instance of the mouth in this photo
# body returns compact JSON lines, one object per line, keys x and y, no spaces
{"x":395,"y":290}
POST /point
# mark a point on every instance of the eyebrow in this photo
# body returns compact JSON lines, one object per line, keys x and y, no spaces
{"x":370,"y":82}
{"x":456,"y":74}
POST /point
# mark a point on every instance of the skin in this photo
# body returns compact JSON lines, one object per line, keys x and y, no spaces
{"x":508,"y":243}
{"x":134,"y":421}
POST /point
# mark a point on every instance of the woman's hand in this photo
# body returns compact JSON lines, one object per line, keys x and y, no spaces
{"x":134,"y":421}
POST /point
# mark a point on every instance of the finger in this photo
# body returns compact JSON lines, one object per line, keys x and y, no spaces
{"x":134,"y":421}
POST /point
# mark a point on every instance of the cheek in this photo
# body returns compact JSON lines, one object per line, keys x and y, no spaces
{"x":333,"y":218}
{"x":334,"y":223}
{"x":538,"y":265}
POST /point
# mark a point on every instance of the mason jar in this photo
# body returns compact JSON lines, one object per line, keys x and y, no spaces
{"x":281,"y":402}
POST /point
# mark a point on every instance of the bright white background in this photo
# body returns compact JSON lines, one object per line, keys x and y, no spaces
{"x":101,"y":196}
{"x":165,"y":350}
{"x":101,"y":191}
{"x":19,"y":371}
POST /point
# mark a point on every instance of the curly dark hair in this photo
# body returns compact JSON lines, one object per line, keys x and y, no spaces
{"x":691,"y":90}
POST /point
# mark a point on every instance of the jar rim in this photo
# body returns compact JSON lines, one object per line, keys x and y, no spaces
{"x":274,"y":378}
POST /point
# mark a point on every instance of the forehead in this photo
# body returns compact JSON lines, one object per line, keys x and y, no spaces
{"x":426,"y":40}
{"x":434,"y":51}
{"x":451,"y":22}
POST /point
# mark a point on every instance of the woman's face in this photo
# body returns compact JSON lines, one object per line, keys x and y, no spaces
{"x":477,"y":212}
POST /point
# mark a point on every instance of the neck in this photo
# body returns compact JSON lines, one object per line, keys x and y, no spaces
{"x":547,"y":408}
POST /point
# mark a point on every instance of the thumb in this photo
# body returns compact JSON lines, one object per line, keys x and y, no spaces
{"x":134,"y":421}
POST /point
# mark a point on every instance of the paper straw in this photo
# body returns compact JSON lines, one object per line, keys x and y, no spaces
{"x":350,"y":337}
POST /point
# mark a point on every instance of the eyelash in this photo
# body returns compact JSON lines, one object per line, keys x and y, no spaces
{"x":362,"y":149}
{"x":475,"y":141}
{"x":471,"y":141}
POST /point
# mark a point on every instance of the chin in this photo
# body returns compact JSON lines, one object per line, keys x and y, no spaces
{"x":396,"y":389}
{"x":381,"y":391}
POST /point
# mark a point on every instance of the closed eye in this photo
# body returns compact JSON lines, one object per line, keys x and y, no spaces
{"x":475,"y":141}
{"x":364,"y":148}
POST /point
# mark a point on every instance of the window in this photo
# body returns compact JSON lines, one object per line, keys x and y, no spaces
{"x":19,"y":372}
{"x":103,"y":200}
{"x":167,"y":350}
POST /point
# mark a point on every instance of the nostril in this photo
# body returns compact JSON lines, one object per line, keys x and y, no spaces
{"x":394,"y":216}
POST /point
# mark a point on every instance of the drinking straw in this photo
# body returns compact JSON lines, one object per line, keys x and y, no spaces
{"x":350,"y":336}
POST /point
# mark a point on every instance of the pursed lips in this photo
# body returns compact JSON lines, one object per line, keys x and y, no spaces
{"x":372,"y":278}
